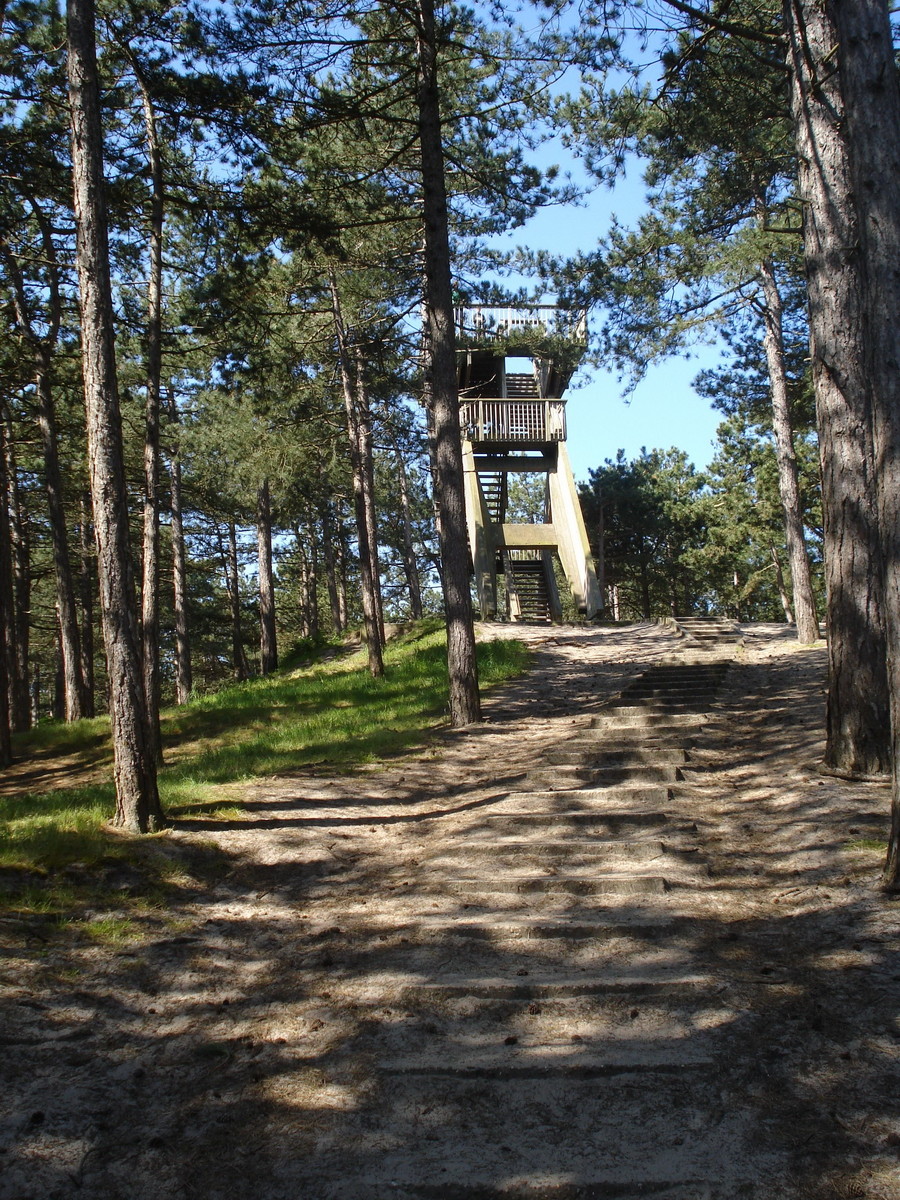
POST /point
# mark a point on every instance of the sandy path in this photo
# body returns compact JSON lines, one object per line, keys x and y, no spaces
{"x":547,"y":958}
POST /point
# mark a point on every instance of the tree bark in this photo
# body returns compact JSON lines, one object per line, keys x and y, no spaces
{"x":600,"y":560}
{"x":782,"y":588}
{"x":303,"y":588}
{"x":42,"y":335}
{"x":644,"y":583}
{"x":86,"y":530}
{"x":58,"y":704}
{"x":857,"y":710}
{"x":367,"y":464}
{"x":268,"y":646}
{"x":309,"y":569}
{"x":356,"y":438}
{"x":341,"y":556}
{"x":70,"y":642}
{"x":137,"y":799}
{"x":183,"y":672}
{"x":150,"y":558}
{"x":233,"y":587}
{"x":7,"y":621}
{"x":312,"y":598}
{"x":869,"y":86}
{"x":410,"y":566}
{"x":806,"y":619}
{"x":465,"y":702}
{"x":331,"y":574}
{"x":19,"y":691}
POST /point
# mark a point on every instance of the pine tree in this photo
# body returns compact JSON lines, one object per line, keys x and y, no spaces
{"x":137,"y":799}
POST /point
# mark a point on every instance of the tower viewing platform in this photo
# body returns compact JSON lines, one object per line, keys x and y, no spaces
{"x":520,"y":328}
{"x":514,"y":365}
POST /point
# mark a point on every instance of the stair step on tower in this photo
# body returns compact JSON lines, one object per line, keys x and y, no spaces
{"x":521,"y":386}
{"x":493,"y":491}
{"x":530,"y":583}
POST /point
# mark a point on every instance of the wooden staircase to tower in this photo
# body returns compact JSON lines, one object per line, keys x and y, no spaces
{"x":528,"y":579}
{"x":494,"y":490}
{"x":521,"y":387}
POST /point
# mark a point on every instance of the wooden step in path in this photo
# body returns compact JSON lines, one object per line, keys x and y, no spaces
{"x":709,"y":632}
{"x":533,"y":994}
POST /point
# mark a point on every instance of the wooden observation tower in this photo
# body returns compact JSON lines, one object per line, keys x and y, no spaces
{"x":514,"y":365}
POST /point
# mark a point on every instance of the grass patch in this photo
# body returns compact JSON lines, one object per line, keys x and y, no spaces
{"x":109,"y":931}
{"x":878,"y":844}
{"x":89,"y":738}
{"x":57,"y":852}
{"x":332,"y":714}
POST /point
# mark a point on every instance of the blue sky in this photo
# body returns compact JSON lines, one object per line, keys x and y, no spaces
{"x":663,"y":411}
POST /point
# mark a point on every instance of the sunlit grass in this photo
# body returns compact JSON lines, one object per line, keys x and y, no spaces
{"x":108,"y":931}
{"x":333,"y":714}
{"x":87,"y":736}
{"x":57,"y":851}
{"x":50,"y":830}
{"x":874,"y":844}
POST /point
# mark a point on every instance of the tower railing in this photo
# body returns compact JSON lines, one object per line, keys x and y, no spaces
{"x":487,"y":323}
{"x":513,"y":420}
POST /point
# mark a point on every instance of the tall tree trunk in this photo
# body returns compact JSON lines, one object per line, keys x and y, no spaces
{"x":367,"y":464}
{"x":601,"y":553}
{"x":428,"y":405}
{"x":465,"y":703}
{"x":311,"y":581}
{"x":268,"y":647}
{"x":410,"y":566}
{"x":150,"y":559}
{"x":869,"y":85}
{"x":303,"y":589}
{"x":644,"y":576}
{"x":357,"y":454}
{"x":58,"y":707}
{"x":309,"y":570}
{"x":19,"y":692}
{"x":342,"y":554}
{"x":7,"y":621}
{"x":857,"y":711}
{"x":86,"y":530}
{"x":70,"y":642}
{"x":183,"y":672}
{"x":331,"y":576}
{"x":41,"y":334}
{"x":780,"y":584}
{"x":137,"y":799}
{"x":806,"y":618}
{"x":233,"y":587}
{"x":36,"y":694}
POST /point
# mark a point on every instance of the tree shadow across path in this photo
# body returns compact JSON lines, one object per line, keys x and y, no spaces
{"x":337,"y":1018}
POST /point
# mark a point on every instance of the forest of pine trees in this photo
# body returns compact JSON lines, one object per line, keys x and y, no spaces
{"x":231,"y":242}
